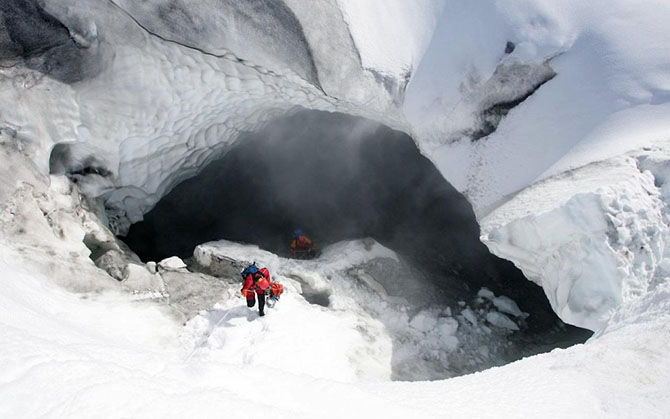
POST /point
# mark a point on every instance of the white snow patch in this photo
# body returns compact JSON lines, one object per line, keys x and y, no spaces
{"x":500,"y":320}
{"x":395,"y":43}
{"x":502,"y":303}
{"x":172,"y":263}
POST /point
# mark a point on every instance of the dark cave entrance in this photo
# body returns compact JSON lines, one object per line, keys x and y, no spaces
{"x":338,"y":177}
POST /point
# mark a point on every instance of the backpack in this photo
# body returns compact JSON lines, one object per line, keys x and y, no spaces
{"x":275,"y":291}
{"x":250,"y":270}
{"x":260,"y":276}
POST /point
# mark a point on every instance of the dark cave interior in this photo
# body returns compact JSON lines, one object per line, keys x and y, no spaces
{"x":337,"y":177}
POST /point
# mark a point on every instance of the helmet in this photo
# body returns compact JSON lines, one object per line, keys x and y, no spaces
{"x":297,"y":232}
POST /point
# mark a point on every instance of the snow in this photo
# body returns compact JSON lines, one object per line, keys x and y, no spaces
{"x":552,"y":186}
{"x":172,"y":264}
{"x":92,"y":356}
{"x":572,"y":187}
{"x":594,"y":240}
{"x":503,"y":304}
{"x":395,"y":44}
{"x":500,"y":320}
{"x":610,"y":95}
{"x":415,"y":338}
{"x":198,"y":105}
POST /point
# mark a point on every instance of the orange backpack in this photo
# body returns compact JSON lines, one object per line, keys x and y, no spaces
{"x":276,"y":289}
{"x":262,"y":279}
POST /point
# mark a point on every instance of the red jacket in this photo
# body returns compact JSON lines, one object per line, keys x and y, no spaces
{"x":259,"y":286}
{"x":301,"y":243}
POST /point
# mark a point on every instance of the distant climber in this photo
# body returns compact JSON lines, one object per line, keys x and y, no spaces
{"x":302,"y":247}
{"x":256,"y":282}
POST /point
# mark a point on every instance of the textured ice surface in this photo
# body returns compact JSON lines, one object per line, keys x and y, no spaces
{"x":161,"y":109}
{"x":593,"y":238}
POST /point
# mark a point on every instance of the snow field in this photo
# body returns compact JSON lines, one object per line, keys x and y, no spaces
{"x":67,"y":356}
{"x":594,"y":238}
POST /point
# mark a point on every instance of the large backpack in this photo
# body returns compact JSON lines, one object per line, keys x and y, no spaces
{"x":260,"y":276}
{"x":276,"y":290}
{"x":262,"y":279}
{"x":250,"y":270}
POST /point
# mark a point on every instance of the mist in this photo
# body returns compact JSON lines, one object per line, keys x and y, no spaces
{"x":337,"y":177}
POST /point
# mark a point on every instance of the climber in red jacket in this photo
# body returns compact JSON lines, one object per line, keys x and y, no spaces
{"x":256,"y":281}
{"x":302,"y":247}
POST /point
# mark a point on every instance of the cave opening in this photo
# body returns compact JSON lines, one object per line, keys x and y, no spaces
{"x":340,"y":177}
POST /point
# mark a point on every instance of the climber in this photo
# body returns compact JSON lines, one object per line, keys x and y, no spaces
{"x":256,"y":281}
{"x":302,"y":247}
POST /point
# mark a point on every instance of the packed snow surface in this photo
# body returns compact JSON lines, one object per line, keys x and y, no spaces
{"x":69,"y":356}
{"x":394,"y":326}
{"x":395,"y":45}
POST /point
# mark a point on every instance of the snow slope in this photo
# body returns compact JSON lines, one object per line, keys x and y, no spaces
{"x":610,"y":94}
{"x":68,"y":356}
{"x":386,"y":325}
{"x":395,"y":44}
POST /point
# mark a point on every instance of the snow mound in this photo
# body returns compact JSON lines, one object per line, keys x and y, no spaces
{"x":593,"y":238}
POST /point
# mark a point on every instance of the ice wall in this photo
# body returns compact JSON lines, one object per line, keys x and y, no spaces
{"x":166,"y":100}
{"x":598,"y":237}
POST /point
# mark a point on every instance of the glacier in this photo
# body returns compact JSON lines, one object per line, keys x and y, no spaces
{"x":550,"y":118}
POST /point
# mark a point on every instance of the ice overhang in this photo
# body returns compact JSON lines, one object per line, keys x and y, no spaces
{"x":158,"y":108}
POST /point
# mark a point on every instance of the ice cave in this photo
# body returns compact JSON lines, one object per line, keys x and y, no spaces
{"x":486,"y":182}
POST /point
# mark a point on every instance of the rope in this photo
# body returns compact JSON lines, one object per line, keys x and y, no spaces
{"x":206,"y":336}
